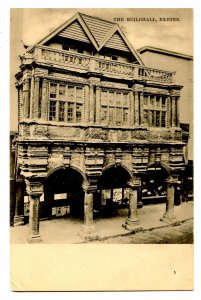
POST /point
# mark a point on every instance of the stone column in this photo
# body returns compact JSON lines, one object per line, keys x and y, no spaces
{"x":177,"y":112}
{"x":136,"y":97}
{"x":132,"y":222}
{"x":44,"y":100}
{"x":168,"y":115}
{"x":98,"y":106}
{"x":91,"y":104}
{"x":36,"y":97}
{"x":34,"y":190}
{"x":19,"y":204}
{"x":169,"y":216}
{"x":173,"y":112}
{"x":26,"y":98}
{"x":132,"y":109}
{"x":141,"y":108}
{"x":87,"y":231}
{"x":86,"y":105}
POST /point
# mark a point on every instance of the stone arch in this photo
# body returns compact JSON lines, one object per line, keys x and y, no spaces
{"x":63,"y":192}
{"x":164,"y":166}
{"x":63,"y":167}
{"x":118,"y":165}
{"x":112,"y":188}
{"x":154,"y":186}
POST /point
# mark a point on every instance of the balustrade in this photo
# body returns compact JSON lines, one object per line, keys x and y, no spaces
{"x":91,"y":64}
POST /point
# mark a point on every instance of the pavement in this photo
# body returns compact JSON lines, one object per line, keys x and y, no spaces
{"x":65,"y":230}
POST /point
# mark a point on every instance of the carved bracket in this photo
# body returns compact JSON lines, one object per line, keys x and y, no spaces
{"x":34,"y":188}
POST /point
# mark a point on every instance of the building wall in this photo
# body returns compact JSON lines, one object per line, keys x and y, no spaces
{"x":184,"y":77}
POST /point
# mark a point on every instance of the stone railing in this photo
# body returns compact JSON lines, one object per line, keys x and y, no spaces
{"x":86,"y":63}
{"x":155,"y":74}
{"x":116,"y":68}
{"x":64,"y":58}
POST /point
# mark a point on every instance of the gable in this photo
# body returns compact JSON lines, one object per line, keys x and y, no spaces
{"x":98,"y":28}
{"x":74,"y":31}
{"x":116,"y":42}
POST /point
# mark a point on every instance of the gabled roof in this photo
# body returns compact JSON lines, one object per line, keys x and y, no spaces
{"x":98,"y":27}
{"x":100,"y":33}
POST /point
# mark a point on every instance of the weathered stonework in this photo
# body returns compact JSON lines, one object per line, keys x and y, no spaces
{"x":91,"y":133}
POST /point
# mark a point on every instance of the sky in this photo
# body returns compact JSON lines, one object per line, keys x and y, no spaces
{"x":29,"y":25}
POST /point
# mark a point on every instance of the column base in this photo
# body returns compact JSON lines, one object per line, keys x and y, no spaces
{"x":18,"y":221}
{"x":88,"y":233}
{"x":170,"y":219}
{"x":132,"y":225}
{"x":34,"y":239}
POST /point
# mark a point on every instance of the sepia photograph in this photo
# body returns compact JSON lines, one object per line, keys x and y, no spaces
{"x":101,"y":135}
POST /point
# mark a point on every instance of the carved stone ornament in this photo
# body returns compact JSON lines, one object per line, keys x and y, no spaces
{"x":134,"y":183}
{"x":34,"y":188}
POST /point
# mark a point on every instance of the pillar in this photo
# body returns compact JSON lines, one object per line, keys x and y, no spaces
{"x":168,"y":115}
{"x":136,"y":97}
{"x":26,"y":98}
{"x":19,"y":204}
{"x":88,"y":231}
{"x":141,"y":108}
{"x":132,"y":110}
{"x":34,"y":202}
{"x":132,"y":221}
{"x":98,"y":106}
{"x":36,"y":97}
{"x":173,"y":112}
{"x":34,"y":190}
{"x":169,"y":216}
{"x":44,"y":100}
{"x":177,"y":112}
{"x":91,"y":104}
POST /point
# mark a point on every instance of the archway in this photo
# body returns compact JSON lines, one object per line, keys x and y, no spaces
{"x":154,"y":188}
{"x":112,"y":192}
{"x":63,"y":194}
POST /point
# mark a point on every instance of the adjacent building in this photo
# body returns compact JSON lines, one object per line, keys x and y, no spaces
{"x":97,"y":127}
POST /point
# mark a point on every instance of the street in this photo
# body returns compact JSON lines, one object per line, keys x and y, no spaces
{"x":182,"y":234}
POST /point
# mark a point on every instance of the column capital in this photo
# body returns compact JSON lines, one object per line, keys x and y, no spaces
{"x":171,"y":180}
{"x":37,"y":78}
{"x":34,"y":188}
{"x":87,"y":188}
{"x":134,"y":183}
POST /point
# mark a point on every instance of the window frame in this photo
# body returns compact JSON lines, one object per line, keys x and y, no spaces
{"x":112,"y":103}
{"x":64,"y":100}
{"x":155,"y":106}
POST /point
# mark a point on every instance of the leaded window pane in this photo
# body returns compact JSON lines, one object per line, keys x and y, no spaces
{"x":70,"y":112}
{"x":78,"y":112}
{"x":52,"y":113}
{"x":61,"y":111}
{"x":53,"y":90}
{"x":71,"y":92}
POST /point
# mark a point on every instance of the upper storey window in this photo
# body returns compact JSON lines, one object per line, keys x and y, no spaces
{"x":155,"y":110}
{"x":114,"y":108}
{"x":66,"y":103}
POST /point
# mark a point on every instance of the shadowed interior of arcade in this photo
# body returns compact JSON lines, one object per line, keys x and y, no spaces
{"x":63,"y":195}
{"x":112,"y":192}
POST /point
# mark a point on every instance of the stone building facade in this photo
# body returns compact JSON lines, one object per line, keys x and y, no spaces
{"x":92,"y":119}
